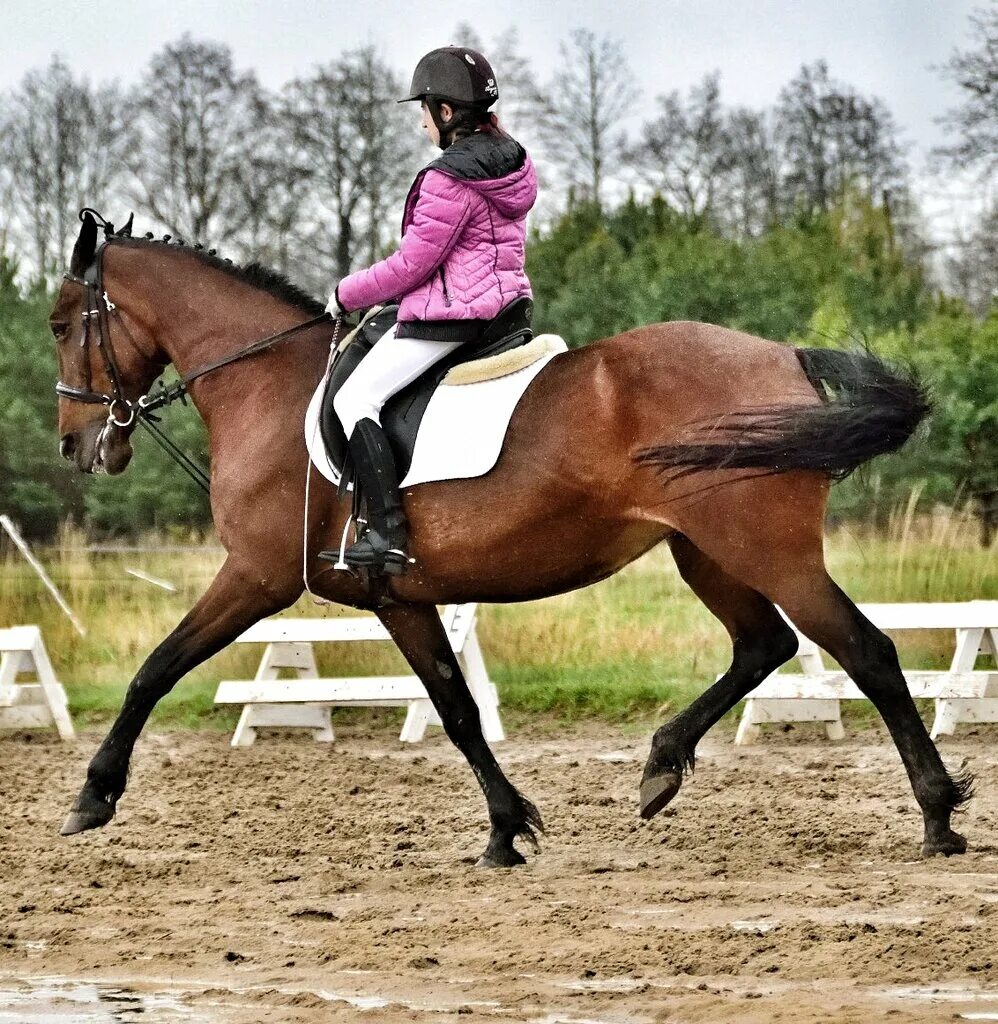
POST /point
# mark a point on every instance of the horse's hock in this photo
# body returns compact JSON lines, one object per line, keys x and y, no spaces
{"x":962,"y":692}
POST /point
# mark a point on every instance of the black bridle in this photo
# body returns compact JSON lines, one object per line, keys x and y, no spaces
{"x":98,"y":309}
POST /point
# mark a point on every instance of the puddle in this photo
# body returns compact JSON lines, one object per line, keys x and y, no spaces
{"x":602,"y":985}
{"x":357,"y":1002}
{"x":755,"y":927}
{"x":58,"y":1001}
{"x":557,"y":1018}
{"x":976,"y":1004}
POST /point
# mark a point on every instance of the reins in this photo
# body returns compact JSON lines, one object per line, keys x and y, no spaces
{"x":140,"y":412}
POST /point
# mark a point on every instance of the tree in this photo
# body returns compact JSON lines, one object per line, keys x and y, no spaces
{"x":270,"y":184}
{"x":748,"y":203}
{"x":358,"y":148}
{"x":36,"y":488}
{"x":588,"y":98}
{"x":685,"y":152}
{"x":520,"y":98}
{"x":833,"y":139}
{"x":194,"y":119}
{"x":61,"y":147}
{"x":975,"y":121}
{"x":972,"y":266}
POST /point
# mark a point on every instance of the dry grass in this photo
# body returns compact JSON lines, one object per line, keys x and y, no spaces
{"x":624,"y":646}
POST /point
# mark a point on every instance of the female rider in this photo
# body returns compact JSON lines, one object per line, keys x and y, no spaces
{"x":459,"y":263}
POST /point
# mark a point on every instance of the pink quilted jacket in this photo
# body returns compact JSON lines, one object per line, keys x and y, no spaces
{"x":463,"y":239}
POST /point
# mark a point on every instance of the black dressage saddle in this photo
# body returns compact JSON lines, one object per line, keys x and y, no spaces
{"x":402,"y":413}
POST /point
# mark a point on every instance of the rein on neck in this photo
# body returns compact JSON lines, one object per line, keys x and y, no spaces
{"x":98,"y":309}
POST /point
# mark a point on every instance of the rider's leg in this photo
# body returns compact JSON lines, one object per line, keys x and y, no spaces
{"x":390,"y":365}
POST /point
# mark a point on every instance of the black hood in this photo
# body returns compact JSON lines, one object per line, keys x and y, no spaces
{"x":481,"y":156}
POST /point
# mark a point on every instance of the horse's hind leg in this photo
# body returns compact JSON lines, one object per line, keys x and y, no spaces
{"x":420,"y":636}
{"x":820,"y":609}
{"x":772,"y":542}
{"x":761,"y":642}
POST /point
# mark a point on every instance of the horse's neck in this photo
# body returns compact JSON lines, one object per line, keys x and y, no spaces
{"x":204,"y":316}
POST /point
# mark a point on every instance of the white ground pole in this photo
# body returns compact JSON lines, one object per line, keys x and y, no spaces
{"x":22,"y":546}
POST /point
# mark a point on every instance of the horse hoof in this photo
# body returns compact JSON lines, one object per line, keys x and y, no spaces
{"x":658,"y":791}
{"x":948,"y":845}
{"x":94,"y":816}
{"x":510,"y":858}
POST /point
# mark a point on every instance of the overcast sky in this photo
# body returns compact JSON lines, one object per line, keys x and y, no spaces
{"x":884,"y":48}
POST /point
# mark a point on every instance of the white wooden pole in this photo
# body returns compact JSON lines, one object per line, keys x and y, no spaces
{"x":22,"y":546}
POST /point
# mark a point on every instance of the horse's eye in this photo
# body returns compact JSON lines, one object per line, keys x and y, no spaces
{"x":59,"y":329}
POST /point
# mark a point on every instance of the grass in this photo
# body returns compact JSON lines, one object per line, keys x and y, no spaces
{"x":629,"y":648}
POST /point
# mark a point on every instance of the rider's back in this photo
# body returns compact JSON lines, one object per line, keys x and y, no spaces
{"x":463,"y":238}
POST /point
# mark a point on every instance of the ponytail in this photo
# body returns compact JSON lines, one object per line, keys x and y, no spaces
{"x":468,"y":118}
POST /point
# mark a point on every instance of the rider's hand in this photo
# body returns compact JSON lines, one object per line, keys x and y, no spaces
{"x":333,"y":307}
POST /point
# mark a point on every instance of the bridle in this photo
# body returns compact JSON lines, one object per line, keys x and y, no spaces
{"x":121,"y":411}
{"x":96,"y":315}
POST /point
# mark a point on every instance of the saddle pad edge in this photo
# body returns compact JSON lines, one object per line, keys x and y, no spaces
{"x":492,"y":367}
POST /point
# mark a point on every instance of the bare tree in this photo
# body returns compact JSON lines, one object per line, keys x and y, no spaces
{"x":61,"y":150}
{"x":194,"y":115}
{"x":976,"y":120}
{"x":359,"y":148}
{"x":833,"y":139}
{"x":270,"y":184}
{"x":972,"y":265}
{"x":588,"y":97}
{"x":684,"y":153}
{"x":520,"y":98}
{"x":749,"y":202}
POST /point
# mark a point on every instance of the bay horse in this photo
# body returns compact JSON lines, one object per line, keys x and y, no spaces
{"x":721,"y":444}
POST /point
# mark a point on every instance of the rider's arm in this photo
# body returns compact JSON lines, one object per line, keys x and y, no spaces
{"x":440,"y":214}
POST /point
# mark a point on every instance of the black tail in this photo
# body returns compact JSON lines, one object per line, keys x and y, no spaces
{"x":868,"y":408}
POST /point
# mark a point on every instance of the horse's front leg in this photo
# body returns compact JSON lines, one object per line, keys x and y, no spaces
{"x":420,"y":636}
{"x":233,"y":602}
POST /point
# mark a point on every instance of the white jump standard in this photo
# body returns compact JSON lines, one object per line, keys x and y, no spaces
{"x":961,"y":693}
{"x":304,"y":702}
{"x":34,"y":705}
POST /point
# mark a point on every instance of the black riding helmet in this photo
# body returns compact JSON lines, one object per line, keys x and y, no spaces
{"x":456,"y":75}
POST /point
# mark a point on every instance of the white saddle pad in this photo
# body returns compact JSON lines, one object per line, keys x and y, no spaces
{"x":461,"y":432}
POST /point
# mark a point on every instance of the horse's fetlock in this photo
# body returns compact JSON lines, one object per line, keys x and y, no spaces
{"x":672,"y":751}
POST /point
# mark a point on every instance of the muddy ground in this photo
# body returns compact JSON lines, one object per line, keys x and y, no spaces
{"x":296,"y":881}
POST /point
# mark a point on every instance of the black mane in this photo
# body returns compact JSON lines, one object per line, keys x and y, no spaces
{"x":254,"y":274}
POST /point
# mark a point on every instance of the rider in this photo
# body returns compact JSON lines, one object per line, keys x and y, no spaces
{"x":460,"y":261}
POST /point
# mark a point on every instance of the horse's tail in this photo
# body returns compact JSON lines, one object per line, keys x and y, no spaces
{"x":868,"y":408}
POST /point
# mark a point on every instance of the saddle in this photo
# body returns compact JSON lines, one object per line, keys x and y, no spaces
{"x":403,"y":412}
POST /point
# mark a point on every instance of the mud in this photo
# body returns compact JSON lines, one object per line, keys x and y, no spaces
{"x":301,"y":882}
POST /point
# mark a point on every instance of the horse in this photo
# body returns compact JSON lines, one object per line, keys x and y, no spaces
{"x":719,"y":443}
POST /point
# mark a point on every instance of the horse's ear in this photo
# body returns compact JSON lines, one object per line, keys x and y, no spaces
{"x":86,"y":246}
{"x":126,"y":231}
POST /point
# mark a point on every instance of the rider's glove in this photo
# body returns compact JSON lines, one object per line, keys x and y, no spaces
{"x":333,"y":306}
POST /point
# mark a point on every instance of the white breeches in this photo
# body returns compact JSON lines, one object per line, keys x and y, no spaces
{"x":391,"y":364}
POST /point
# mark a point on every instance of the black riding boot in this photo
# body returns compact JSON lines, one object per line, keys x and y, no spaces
{"x":383,"y":545}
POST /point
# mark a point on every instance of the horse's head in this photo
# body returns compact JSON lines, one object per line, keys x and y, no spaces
{"x":107,"y":356}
